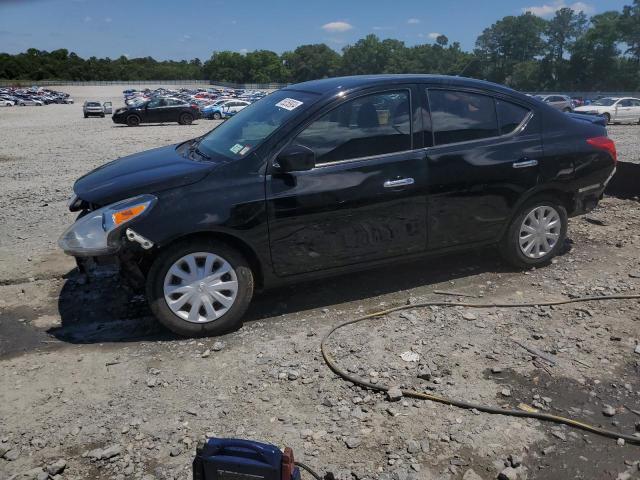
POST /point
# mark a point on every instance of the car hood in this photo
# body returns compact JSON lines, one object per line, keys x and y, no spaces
{"x":146,"y":172}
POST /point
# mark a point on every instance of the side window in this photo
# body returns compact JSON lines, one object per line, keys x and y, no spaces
{"x":374,"y":124}
{"x":510,"y":116}
{"x":462,"y":116}
{"x":635,"y":103}
{"x":154,"y":103}
{"x":625,"y":103}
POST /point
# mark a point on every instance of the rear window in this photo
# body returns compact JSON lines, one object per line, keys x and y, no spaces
{"x":510,"y":115}
{"x":462,"y":116}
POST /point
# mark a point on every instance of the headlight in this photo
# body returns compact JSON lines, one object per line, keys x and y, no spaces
{"x":89,"y":235}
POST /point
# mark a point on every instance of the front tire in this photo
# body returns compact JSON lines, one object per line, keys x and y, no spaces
{"x":217,"y":115}
{"x":536,"y":234}
{"x":185,"y":119}
{"x":200,"y":288}
{"x":607,"y":118}
{"x":133,"y":120}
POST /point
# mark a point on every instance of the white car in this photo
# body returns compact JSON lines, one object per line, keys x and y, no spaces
{"x":29,"y":101}
{"x":614,"y":109}
{"x":6,"y":103}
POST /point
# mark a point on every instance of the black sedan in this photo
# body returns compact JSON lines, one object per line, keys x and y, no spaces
{"x":157,"y":110}
{"x":336,"y":175}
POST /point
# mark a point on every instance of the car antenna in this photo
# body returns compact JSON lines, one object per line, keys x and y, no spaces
{"x":473,"y":60}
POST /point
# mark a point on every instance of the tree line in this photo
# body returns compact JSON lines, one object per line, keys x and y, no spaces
{"x":570,"y":51}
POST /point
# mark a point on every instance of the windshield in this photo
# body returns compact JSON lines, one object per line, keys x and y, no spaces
{"x":248,"y":128}
{"x":605,"y":102}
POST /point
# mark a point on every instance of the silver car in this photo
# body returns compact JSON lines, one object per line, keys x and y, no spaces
{"x":93,"y":109}
{"x":559,"y":102}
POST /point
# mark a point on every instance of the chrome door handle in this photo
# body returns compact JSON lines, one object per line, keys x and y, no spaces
{"x":398,"y":183}
{"x":525,"y":164}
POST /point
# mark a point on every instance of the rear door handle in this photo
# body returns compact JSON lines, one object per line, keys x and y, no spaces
{"x":398,"y":183}
{"x":525,"y":163}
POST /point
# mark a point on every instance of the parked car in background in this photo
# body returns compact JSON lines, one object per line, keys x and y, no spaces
{"x":614,"y":109}
{"x":225,"y":108}
{"x":6,"y":103}
{"x":23,"y":101}
{"x":34,"y":96}
{"x":108,"y":107}
{"x":93,"y":109}
{"x":157,"y":110}
{"x":335,"y":175}
{"x":559,"y":102}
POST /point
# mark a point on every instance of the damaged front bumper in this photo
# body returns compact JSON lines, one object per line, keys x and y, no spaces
{"x":99,"y":232}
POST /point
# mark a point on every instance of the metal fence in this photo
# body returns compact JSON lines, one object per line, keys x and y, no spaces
{"x":250,"y":86}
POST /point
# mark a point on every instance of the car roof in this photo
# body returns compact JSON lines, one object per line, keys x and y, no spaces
{"x":334,"y":85}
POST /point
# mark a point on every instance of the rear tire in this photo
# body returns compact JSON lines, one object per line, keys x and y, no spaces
{"x":196,"y":285}
{"x":86,"y":116}
{"x":185,"y":119}
{"x":528,"y":243}
{"x":133,"y":120}
{"x":607,"y":118}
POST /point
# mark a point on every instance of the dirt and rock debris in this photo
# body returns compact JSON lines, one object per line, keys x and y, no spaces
{"x":93,"y":388}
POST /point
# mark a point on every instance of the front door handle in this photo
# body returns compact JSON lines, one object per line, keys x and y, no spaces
{"x":525,"y":163}
{"x":398,"y":183}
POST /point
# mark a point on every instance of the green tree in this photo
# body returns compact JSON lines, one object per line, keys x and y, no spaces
{"x":562,"y":31}
{"x":308,"y":62}
{"x":369,"y":55}
{"x":264,"y":66}
{"x":593,"y":63}
{"x":226,"y":66}
{"x":509,"y":41}
{"x":629,"y":25}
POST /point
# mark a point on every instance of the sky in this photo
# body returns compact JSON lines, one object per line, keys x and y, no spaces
{"x":187,"y":29}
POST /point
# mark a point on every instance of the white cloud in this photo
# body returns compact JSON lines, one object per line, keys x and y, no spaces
{"x":548,"y":10}
{"x":244,"y":51}
{"x":334,"y":27}
{"x":434,"y":35}
{"x":413,"y":21}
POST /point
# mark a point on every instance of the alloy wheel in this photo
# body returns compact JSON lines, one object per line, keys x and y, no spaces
{"x":539,"y":232}
{"x":200,"y":287}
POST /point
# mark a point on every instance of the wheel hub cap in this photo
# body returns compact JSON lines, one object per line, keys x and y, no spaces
{"x":539,"y":232}
{"x":200,"y":287}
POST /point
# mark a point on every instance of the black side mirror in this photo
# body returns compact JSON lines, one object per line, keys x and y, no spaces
{"x":295,"y":158}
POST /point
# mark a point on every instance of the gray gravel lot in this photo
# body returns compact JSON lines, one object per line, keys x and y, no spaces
{"x":93,"y":388}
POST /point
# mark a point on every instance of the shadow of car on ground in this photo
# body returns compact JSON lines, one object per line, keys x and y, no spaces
{"x":105,"y":310}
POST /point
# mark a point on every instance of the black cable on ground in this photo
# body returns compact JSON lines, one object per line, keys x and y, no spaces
{"x":309,"y":470}
{"x":528,"y":413}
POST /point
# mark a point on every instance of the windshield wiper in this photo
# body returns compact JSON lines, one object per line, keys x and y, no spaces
{"x":194,"y":148}
{"x":202,"y":154}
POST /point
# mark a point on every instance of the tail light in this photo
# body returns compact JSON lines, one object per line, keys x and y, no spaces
{"x":193,"y":105}
{"x":606,"y":144}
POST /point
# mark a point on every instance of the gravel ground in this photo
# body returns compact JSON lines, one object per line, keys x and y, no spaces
{"x":627,"y":138}
{"x":93,"y":388}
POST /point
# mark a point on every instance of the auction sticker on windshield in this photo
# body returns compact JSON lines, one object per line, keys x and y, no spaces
{"x":236,"y":148}
{"x":289,"y":103}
